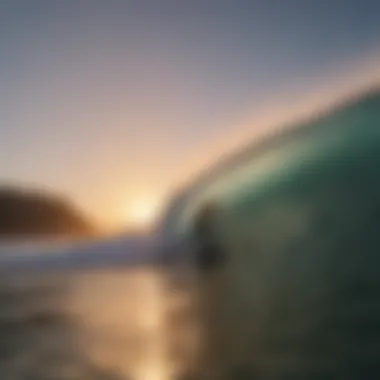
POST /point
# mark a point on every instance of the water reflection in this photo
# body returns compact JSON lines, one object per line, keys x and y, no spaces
{"x":112,"y":325}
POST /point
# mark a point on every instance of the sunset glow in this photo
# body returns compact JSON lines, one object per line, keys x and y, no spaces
{"x":140,"y":213}
{"x":114,"y":104}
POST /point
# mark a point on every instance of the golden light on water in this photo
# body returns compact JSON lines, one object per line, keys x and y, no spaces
{"x":123,"y":326}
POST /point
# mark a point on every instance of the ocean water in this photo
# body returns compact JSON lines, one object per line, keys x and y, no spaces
{"x":94,"y":324}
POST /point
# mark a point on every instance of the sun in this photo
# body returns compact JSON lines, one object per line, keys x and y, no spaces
{"x":140,"y":213}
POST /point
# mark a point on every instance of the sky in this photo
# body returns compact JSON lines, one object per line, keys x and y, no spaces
{"x":113,"y":102}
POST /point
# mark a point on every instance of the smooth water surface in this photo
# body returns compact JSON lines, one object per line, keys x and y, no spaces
{"x":98,"y":324}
